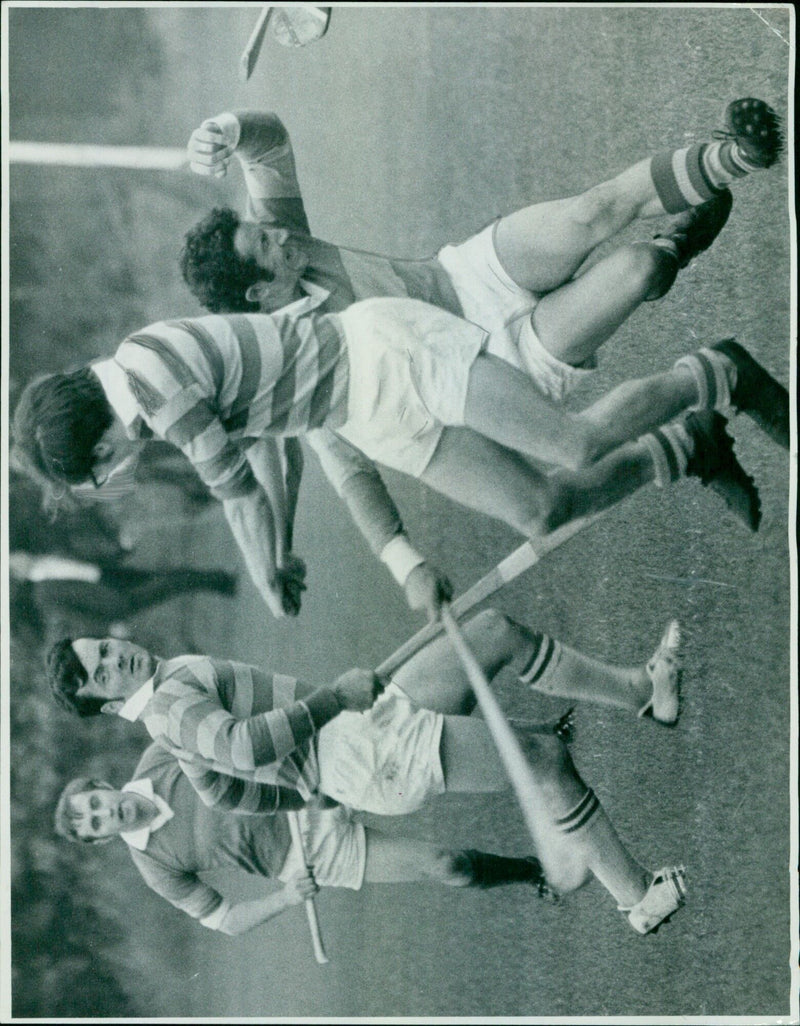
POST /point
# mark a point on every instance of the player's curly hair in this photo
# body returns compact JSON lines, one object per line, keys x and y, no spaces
{"x":66,"y":673}
{"x":212,"y":268}
{"x":58,"y":421}
{"x":65,"y":820}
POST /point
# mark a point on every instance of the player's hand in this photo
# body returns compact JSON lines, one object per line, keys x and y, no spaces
{"x":426,"y":588}
{"x":294,"y":566}
{"x":209,"y":150}
{"x":301,"y":887}
{"x":291,"y":581}
{"x":291,"y":596}
{"x":357,"y":690}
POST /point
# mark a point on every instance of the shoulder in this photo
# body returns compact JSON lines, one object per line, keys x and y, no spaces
{"x":196,"y":671}
{"x":154,"y":761}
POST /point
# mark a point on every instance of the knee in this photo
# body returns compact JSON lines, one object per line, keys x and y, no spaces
{"x":652,"y":269}
{"x":489,"y":624}
{"x":554,"y":507}
{"x":550,"y":760}
{"x":597,"y":209}
{"x":580,"y":443}
{"x":569,"y":874}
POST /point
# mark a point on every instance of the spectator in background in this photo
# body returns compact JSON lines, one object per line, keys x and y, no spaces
{"x":103,"y":592}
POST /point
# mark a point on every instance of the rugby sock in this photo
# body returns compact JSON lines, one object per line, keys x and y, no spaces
{"x":580,"y":815}
{"x":670,"y":447}
{"x":486,"y":870}
{"x":588,"y":826}
{"x":715,"y":377}
{"x":688,"y":177}
{"x":556,"y":669}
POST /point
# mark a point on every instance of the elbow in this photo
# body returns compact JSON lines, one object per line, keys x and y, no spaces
{"x":230,"y":924}
{"x":231,"y":929}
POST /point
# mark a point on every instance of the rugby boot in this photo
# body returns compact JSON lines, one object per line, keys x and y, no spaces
{"x":539,"y":881}
{"x":664,"y":671}
{"x":665,"y":895}
{"x":757,"y":393}
{"x":487,"y":870}
{"x":756,"y":128}
{"x":694,"y":230}
{"x":714,"y":462}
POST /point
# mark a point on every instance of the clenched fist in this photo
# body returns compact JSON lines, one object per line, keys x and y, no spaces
{"x":357,"y":690}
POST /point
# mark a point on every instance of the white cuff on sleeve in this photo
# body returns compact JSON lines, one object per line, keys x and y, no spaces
{"x":229,"y":125}
{"x":214,"y":919}
{"x":401,"y":558}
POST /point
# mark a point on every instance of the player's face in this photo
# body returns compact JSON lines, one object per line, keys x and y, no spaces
{"x":115,"y":457}
{"x":104,"y":812}
{"x":279,"y":253}
{"x":115,"y":668}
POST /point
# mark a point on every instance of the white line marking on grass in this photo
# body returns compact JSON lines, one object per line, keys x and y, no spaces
{"x":687,"y":580}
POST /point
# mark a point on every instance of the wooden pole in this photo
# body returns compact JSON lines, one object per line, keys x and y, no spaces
{"x":507,"y":570}
{"x":311,"y":908}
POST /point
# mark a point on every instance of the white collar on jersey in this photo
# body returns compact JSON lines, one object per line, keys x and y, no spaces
{"x":315,"y":296}
{"x":134,"y":706}
{"x":115,"y":385}
{"x":139,"y":838}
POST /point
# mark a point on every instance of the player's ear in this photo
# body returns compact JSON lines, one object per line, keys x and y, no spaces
{"x":102,"y":461}
{"x":112,"y":708}
{"x":257,"y":292}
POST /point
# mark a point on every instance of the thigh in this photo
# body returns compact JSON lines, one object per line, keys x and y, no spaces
{"x":435,"y":679}
{"x":399,"y":859}
{"x":504,"y":404}
{"x":469,"y":757}
{"x":574,"y":320}
{"x":543,"y":245}
{"x":485,"y":476}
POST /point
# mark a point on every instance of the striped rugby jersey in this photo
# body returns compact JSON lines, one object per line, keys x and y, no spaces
{"x":198,"y":839}
{"x":240,"y":735}
{"x":212,"y":385}
{"x":274,"y":199}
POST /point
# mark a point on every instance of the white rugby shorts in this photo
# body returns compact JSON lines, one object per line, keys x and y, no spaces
{"x":385,"y":760}
{"x":409,"y":365}
{"x":490,"y":298}
{"x":335,"y":846}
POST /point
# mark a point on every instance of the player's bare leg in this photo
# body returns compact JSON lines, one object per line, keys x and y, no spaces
{"x":435,"y":678}
{"x":573,"y":321}
{"x":543,"y":245}
{"x":487,"y":477}
{"x":504,"y":406}
{"x":573,"y":835}
{"x":482,"y":475}
{"x":404,"y":860}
